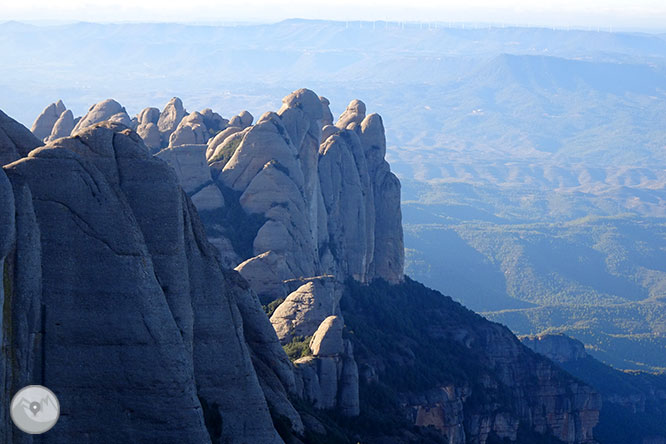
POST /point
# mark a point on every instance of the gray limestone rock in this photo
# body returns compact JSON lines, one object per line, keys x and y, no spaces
{"x":327,"y":116}
{"x":305,"y":309}
{"x":213,"y":121}
{"x":209,"y":198}
{"x":16,"y":141}
{"x":389,"y":256}
{"x":191,"y":130}
{"x":349,"y":203}
{"x":218,"y":147}
{"x":266,"y":274}
{"x":44,"y":123}
{"x":327,"y":340}
{"x":128,"y":250}
{"x":243,"y":120}
{"x":327,"y":131}
{"x":63,"y":126}
{"x":150,"y":135}
{"x":348,"y":397}
{"x":148,"y":115}
{"x":266,"y":141}
{"x":557,"y":348}
{"x":328,"y":372}
{"x":355,"y":113}
{"x":107,"y":110}
{"x":170,"y":117}
{"x":189,"y":163}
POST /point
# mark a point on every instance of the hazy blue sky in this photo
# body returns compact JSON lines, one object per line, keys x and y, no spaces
{"x":595,"y":13}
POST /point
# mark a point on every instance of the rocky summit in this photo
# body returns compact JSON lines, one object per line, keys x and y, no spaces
{"x":180,"y":277}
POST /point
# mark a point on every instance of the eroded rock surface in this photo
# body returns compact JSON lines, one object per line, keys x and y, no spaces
{"x":46,"y":120}
{"x":120,"y":244}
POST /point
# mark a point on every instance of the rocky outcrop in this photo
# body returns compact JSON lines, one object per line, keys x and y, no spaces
{"x":329,"y":378}
{"x":170,"y":118}
{"x":46,"y":120}
{"x":470,"y":379}
{"x":557,"y":348}
{"x":191,"y":130}
{"x":107,"y":110}
{"x":637,"y":398}
{"x":146,"y":127}
{"x":63,"y":126}
{"x":16,"y":141}
{"x":242,"y":120}
{"x":305,"y":309}
{"x":130,"y":285}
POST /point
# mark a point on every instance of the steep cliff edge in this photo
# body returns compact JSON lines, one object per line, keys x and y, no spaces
{"x":634,"y":403}
{"x":425,"y":360}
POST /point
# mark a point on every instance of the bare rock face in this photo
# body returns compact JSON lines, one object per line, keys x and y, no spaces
{"x":148,"y":115}
{"x":16,"y":141}
{"x":243,"y":120}
{"x":150,"y":135}
{"x":191,"y":130}
{"x":266,"y":274}
{"x":557,"y":348}
{"x":218,"y":146}
{"x":214,"y":122}
{"x":190,"y":165}
{"x":194,"y":175}
{"x":355,"y":113}
{"x":329,"y":378}
{"x":302,"y":313}
{"x":170,"y":118}
{"x":327,"y":340}
{"x":130,"y":285}
{"x":107,"y":110}
{"x":44,"y":123}
{"x":327,"y":116}
{"x":349,"y":202}
{"x":63,"y":126}
{"x":389,"y":257}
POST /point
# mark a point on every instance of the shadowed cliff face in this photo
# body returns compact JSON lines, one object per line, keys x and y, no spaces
{"x":634,"y":403}
{"x":135,"y":327}
{"x":445,"y":367}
